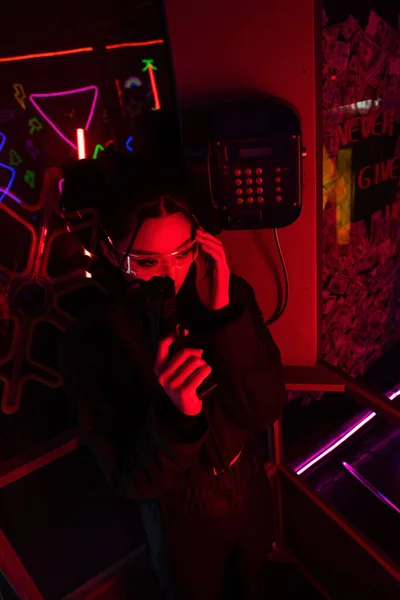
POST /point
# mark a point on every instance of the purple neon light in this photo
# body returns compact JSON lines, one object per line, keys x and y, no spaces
{"x":311,"y":461}
{"x":370,"y":487}
{"x":66,"y":93}
{"x":6,"y":192}
{"x":2,"y":140}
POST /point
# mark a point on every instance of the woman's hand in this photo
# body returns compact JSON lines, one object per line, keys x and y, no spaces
{"x":181,"y":375}
{"x":212,"y":279}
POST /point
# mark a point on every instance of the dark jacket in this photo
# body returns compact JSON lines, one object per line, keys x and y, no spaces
{"x":145,"y":446}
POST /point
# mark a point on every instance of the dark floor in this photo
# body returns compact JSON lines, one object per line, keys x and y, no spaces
{"x":286,"y":583}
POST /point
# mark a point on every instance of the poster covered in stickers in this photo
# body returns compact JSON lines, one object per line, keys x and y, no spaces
{"x":361,"y":185}
{"x":53,"y":109}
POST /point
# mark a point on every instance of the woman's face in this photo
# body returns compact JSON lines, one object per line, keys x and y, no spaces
{"x":151,"y":254}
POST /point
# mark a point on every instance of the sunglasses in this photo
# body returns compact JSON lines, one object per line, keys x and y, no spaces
{"x":136,"y":264}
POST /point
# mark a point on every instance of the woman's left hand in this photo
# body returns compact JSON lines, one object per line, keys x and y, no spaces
{"x":212,"y":279}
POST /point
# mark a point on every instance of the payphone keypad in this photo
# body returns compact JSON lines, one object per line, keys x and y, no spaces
{"x":252,"y":178}
{"x":259,"y":181}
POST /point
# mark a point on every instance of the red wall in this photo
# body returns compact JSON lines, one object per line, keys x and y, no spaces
{"x":218,"y":45}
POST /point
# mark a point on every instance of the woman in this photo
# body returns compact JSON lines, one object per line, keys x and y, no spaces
{"x":186,"y":458}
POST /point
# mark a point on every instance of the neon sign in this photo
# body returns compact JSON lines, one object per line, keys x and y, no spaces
{"x":15,"y":158}
{"x":30,"y":148}
{"x":34,"y":125}
{"x":6,"y":189}
{"x":120,"y":99}
{"x":99,"y":148}
{"x":132,"y":82}
{"x":29,"y":178}
{"x":34,"y":97}
{"x":150,"y":67}
{"x":77,"y":51}
{"x":80,"y":138}
{"x":19,"y":95}
{"x":2,"y":140}
{"x":128,"y":142}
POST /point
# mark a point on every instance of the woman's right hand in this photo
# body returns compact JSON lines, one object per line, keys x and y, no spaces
{"x":181,"y":375}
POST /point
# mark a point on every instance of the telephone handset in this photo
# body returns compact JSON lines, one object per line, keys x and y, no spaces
{"x":250,"y":154}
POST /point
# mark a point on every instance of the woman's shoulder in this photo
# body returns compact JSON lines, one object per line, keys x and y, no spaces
{"x":240,"y":289}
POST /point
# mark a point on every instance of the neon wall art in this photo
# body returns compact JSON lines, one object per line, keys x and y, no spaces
{"x":45,"y":99}
{"x":132,"y":82}
{"x":34,"y":99}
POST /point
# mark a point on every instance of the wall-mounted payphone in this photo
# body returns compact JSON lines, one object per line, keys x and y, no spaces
{"x":249,"y":153}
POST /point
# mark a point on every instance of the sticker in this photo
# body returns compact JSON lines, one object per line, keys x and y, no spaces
{"x":19,"y":94}
{"x":379,"y":31}
{"x":342,"y":54}
{"x":29,"y":178}
{"x":350,"y":28}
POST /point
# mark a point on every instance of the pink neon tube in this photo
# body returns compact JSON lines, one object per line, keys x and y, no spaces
{"x":33,"y":97}
{"x":322,"y":453}
{"x":80,"y":137}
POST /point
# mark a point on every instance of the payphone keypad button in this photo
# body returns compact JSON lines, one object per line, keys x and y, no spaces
{"x":260,"y":199}
{"x":259,"y":171}
{"x":259,"y":180}
{"x":250,"y":200}
{"x":238,"y":172}
{"x":247,"y":171}
{"x":278,"y":179}
{"x":279,"y":198}
{"x":259,"y":190}
{"x":278,"y":189}
{"x":239,"y":192}
{"x":249,"y":190}
{"x":278,"y":169}
{"x":239,"y":200}
{"x":238,"y":181}
{"x":249,"y":181}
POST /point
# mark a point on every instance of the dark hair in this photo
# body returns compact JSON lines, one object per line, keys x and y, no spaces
{"x":125,"y":190}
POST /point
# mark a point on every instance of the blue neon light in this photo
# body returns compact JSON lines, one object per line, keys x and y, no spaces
{"x":128,"y":141}
{"x":10,"y":182}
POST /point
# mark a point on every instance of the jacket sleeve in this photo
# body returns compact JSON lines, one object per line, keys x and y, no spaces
{"x":159,"y":451}
{"x":245,"y":360}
